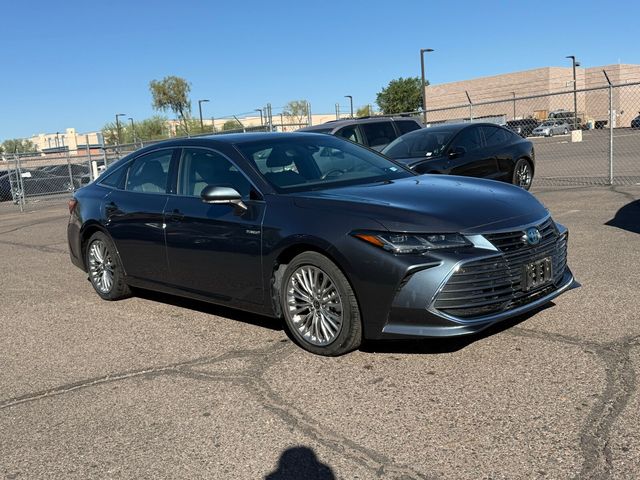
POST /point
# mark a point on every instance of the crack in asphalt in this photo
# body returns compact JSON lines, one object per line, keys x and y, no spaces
{"x":620,"y":384}
{"x":250,"y":378}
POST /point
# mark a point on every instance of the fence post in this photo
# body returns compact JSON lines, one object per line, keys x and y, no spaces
{"x":337,"y":111}
{"x":309,"y":121}
{"x":104,"y":157}
{"x":470,"y":106}
{"x":610,"y":127}
{"x":19,"y":181}
{"x":71,"y":184}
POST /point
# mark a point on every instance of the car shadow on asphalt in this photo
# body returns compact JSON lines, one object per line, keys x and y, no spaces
{"x":210,"y":309}
{"x":627,"y":218}
{"x":434,"y":346}
{"x":297,"y":463}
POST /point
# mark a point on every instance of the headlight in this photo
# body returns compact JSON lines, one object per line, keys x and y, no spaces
{"x":413,"y":243}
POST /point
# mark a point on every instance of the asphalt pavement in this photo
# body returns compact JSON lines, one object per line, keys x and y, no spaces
{"x":161,"y":387}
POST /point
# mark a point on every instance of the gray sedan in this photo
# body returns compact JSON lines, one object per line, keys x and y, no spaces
{"x":551,"y":128}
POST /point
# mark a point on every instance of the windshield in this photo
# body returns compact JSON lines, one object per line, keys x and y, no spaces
{"x":548,"y":124}
{"x":420,"y":143}
{"x":317,"y":162}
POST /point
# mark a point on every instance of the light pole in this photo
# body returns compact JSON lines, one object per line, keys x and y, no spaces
{"x":260,"y":110}
{"x":118,"y":115}
{"x":133,"y":130}
{"x":514,"y":104}
{"x":424,"y":83}
{"x":200,"y":102}
{"x":350,"y":103}
{"x":575,"y":94}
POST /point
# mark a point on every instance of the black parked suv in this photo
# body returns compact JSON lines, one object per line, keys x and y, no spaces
{"x":374,"y":132}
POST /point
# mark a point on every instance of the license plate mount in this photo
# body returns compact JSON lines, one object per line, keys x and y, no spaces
{"x":536,"y":274}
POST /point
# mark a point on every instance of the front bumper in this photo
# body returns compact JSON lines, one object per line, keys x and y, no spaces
{"x":465,"y":292}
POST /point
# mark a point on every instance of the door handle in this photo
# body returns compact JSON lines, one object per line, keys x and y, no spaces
{"x":176,"y":215}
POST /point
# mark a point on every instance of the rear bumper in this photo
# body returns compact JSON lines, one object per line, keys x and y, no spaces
{"x":423,"y":322}
{"x":75,"y":244}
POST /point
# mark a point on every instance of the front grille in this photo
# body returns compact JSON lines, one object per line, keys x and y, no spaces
{"x":493,"y":284}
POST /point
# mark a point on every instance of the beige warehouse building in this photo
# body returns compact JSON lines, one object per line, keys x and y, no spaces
{"x":552,"y":87}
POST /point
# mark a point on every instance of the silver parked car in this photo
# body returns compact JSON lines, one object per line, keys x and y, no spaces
{"x":550,"y":128}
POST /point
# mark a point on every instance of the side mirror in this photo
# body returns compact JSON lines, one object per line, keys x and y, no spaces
{"x":223,"y":195}
{"x":457,"y":152}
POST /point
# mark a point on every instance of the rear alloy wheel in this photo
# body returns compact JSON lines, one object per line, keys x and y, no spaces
{"x":551,"y":133}
{"x":566,"y":131}
{"x":105,"y":268}
{"x":319,"y":305}
{"x":523,"y":174}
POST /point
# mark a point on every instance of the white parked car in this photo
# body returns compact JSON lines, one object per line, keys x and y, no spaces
{"x":551,"y":128}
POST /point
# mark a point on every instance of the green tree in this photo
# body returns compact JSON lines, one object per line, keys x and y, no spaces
{"x":18,"y":145}
{"x":296,"y":111}
{"x":231,"y":125}
{"x":401,"y":95}
{"x":172,"y":93}
{"x":365,"y":111}
{"x":154,"y":128}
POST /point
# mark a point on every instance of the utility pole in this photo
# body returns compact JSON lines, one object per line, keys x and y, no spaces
{"x":350,"y":103}
{"x":118,"y":115}
{"x":200,"y":102}
{"x":575,"y":93}
{"x":424,"y":83}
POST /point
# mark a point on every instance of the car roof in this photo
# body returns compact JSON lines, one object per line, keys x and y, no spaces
{"x":352,"y":121}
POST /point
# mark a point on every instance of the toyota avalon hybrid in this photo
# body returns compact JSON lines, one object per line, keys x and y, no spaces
{"x":341,"y":242}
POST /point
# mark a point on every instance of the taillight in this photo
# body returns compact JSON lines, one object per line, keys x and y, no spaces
{"x":72,"y":204}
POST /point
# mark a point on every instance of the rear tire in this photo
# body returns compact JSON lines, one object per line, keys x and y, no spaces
{"x":319,"y":306}
{"x":566,"y":131}
{"x":105,"y":269}
{"x":522,"y":174}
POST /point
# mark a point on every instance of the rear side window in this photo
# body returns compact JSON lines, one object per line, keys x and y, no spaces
{"x":495,"y":136}
{"x":350,"y":132}
{"x":406,"y":126}
{"x":149,"y":173}
{"x":379,"y":134}
{"x":113,"y":179}
{"x":469,"y":139}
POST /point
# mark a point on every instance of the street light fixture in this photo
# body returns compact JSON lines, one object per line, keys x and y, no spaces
{"x":260,"y":110}
{"x":424,"y":83}
{"x":575,"y":95}
{"x":200,"y":102}
{"x":350,"y":103}
{"x":118,"y":115}
{"x":133,"y":130}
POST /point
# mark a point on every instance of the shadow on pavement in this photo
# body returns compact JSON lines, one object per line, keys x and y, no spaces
{"x":434,"y":346}
{"x":210,"y":309}
{"x":627,"y":218}
{"x":299,"y":463}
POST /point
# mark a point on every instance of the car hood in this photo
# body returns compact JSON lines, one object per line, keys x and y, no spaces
{"x":432,"y":203}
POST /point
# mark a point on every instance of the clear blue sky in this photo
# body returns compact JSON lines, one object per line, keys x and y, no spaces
{"x":76,"y":64}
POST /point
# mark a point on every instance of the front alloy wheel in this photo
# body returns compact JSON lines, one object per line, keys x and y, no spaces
{"x":314,"y":305}
{"x":319,"y":305}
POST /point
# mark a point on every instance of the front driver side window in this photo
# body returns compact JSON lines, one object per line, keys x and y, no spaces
{"x":149,"y":173}
{"x":200,"y":168}
{"x":469,"y":139}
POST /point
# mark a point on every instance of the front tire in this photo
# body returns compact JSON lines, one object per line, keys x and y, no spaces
{"x":522,"y":174}
{"x":105,"y":268}
{"x":320,"y":308}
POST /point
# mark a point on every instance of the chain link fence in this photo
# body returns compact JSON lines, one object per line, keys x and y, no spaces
{"x":599,"y":144}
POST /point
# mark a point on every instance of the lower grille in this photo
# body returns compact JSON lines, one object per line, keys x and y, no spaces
{"x":494,"y":284}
